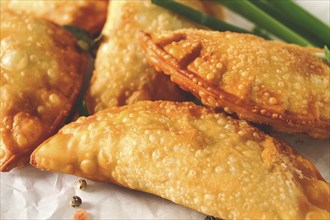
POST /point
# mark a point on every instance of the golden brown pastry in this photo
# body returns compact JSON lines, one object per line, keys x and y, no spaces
{"x":122,"y":74}
{"x":87,"y":14}
{"x":41,"y":75}
{"x":282,"y":85}
{"x":192,"y":156}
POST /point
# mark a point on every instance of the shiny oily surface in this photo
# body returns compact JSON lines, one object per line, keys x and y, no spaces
{"x":282,"y":85}
{"x":41,"y":74}
{"x":192,"y":156}
{"x":86,"y":14}
{"x":122,"y":74}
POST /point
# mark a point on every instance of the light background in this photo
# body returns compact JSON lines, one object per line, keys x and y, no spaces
{"x":28,"y":193}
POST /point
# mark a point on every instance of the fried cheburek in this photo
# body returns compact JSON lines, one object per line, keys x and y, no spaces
{"x":282,"y":85}
{"x":122,"y":74}
{"x":87,"y":14}
{"x":41,"y":75}
{"x":192,"y":156}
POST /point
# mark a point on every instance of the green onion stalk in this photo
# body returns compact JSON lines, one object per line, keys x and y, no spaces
{"x":251,"y":12}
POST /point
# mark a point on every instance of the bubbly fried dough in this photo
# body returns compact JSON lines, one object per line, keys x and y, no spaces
{"x":282,"y":85}
{"x":122,"y":74}
{"x":41,"y":74}
{"x":87,"y":14}
{"x":192,"y":156}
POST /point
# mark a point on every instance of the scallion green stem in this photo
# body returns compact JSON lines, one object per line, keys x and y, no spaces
{"x":327,"y":54}
{"x":262,"y":19}
{"x":285,"y":18}
{"x":303,"y":19}
{"x":198,"y":16}
{"x":82,"y":108}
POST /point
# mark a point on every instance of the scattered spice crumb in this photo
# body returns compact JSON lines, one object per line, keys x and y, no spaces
{"x":80,"y":214}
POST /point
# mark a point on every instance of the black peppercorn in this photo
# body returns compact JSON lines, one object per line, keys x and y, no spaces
{"x":75,"y":201}
{"x":208,"y":217}
{"x":82,"y":184}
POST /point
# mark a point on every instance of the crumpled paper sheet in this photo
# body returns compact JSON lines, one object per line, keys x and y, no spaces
{"x":28,"y":193}
{"x":32,"y":194}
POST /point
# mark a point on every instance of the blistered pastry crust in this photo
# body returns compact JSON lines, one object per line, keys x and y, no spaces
{"x":122,"y":74}
{"x":192,"y":156}
{"x":282,"y":85}
{"x":41,"y":75}
{"x":87,"y":14}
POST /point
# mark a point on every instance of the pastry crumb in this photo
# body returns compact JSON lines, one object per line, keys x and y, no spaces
{"x":80,"y":214}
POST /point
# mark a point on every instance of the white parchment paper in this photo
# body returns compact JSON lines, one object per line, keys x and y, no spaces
{"x":28,"y":193}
